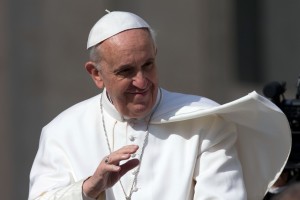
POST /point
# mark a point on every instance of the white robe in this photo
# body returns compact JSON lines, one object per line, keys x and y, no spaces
{"x":196,"y":149}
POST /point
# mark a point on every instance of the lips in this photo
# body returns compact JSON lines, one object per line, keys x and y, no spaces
{"x":142,"y":92}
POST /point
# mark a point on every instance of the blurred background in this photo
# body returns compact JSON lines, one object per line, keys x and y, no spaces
{"x":219,"y":49}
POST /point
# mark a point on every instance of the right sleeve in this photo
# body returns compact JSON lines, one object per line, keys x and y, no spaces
{"x":51,"y":176}
{"x":70,"y":192}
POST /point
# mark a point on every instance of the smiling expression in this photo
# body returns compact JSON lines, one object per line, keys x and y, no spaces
{"x":128,"y":72}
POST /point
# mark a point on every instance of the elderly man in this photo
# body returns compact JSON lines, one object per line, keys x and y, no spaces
{"x":138,"y":141}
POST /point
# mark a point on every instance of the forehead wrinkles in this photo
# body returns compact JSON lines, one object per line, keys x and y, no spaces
{"x":123,"y":45}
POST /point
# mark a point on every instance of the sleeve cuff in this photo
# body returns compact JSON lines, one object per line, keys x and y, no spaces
{"x":85,"y":197}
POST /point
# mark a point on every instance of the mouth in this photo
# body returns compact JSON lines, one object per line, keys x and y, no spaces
{"x":137,"y":91}
{"x":142,"y":93}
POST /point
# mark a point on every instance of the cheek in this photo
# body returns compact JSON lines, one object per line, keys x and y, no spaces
{"x":117,"y":89}
{"x":153,"y":77}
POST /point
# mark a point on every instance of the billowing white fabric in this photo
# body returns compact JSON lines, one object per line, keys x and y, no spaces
{"x":112,"y":24}
{"x":191,"y":138}
{"x":264,"y":136}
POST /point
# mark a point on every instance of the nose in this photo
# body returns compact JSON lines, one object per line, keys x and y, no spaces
{"x":140,"y":81}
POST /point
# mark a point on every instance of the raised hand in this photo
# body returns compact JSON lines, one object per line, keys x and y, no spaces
{"x":109,"y":171}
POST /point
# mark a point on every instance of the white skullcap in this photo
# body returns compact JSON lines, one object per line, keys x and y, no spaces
{"x":112,"y":24}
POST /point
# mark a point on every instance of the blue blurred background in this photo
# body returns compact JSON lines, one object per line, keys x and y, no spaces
{"x":219,"y":49}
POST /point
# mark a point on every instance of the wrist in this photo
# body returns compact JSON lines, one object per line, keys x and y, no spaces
{"x":91,"y":190}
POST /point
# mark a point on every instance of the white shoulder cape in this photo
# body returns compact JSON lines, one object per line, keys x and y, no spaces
{"x":264,"y":135}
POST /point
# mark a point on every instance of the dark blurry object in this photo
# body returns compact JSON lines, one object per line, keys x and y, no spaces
{"x":292,"y":192}
{"x":291,"y":108}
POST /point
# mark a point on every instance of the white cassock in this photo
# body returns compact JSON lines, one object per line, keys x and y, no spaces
{"x":196,"y":149}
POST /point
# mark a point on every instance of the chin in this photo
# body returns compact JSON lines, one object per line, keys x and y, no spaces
{"x":141,"y":111}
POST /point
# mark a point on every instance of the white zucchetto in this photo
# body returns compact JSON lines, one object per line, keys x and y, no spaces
{"x":113,"y":23}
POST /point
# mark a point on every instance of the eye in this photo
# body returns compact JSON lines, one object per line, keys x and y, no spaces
{"x":148,"y":66}
{"x":125,"y":72}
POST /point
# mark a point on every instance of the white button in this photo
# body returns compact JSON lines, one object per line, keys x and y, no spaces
{"x":131,"y":138}
{"x":133,"y":155}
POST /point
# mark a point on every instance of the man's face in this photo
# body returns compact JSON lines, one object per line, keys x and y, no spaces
{"x":128,"y":72}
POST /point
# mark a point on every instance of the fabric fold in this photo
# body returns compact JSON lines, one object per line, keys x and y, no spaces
{"x":264,"y":137}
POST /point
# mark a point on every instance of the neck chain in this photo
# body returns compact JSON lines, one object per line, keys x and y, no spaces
{"x":136,"y":172}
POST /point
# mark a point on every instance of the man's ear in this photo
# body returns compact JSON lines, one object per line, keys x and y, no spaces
{"x":91,"y":68}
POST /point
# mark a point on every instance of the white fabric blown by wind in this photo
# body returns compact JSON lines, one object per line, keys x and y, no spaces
{"x":263,"y":134}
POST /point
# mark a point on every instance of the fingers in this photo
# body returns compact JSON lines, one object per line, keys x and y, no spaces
{"x":128,"y":166}
{"x":110,"y":170}
{"x":128,"y":149}
{"x":121,"y":154}
{"x":122,"y":169}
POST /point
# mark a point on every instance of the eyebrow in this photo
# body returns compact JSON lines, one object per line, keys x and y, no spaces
{"x":126,"y":66}
{"x":122,"y":67}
